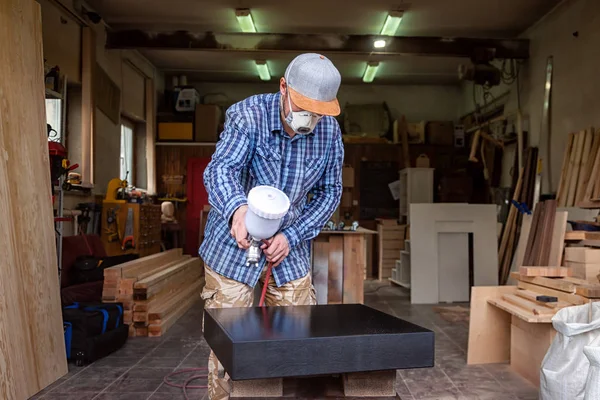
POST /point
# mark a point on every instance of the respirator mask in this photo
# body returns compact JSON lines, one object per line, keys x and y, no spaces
{"x":301,"y":122}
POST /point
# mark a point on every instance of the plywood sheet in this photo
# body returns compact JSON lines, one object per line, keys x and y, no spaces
{"x":582,"y":255}
{"x":354,"y":265}
{"x":32,"y":346}
{"x":489,"y":327}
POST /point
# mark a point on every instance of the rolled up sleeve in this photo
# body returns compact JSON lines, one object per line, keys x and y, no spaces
{"x":222,"y":175}
{"x":326,"y":198}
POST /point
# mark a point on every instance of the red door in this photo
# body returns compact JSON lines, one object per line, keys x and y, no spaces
{"x":197,"y":199}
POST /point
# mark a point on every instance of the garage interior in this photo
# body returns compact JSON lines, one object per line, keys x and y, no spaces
{"x":468,"y":216}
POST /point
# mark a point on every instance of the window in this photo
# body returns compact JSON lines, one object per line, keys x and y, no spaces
{"x":54,"y":119}
{"x":126,"y":171}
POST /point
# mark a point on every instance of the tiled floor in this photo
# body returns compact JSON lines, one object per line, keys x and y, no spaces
{"x":136,"y":371}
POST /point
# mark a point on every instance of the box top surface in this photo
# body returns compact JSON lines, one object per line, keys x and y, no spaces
{"x":305,"y":322}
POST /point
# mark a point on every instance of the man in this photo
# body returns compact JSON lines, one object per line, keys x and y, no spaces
{"x":289,"y":140}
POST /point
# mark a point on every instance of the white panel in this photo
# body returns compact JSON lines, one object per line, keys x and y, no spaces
{"x":453,"y":277}
{"x":427,"y":221}
{"x":133,"y":92}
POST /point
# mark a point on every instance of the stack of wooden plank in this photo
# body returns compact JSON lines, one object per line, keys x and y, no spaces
{"x":155,"y":290}
{"x":579,"y":182}
{"x":391,"y":237}
{"x":584,"y":262}
{"x":571,"y":290}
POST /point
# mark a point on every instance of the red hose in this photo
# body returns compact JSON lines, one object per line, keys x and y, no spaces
{"x":186,"y":385}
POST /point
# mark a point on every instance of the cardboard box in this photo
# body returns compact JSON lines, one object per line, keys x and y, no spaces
{"x":348,"y":176}
{"x":440,"y":133}
{"x":416,"y":132}
{"x":206,"y":123}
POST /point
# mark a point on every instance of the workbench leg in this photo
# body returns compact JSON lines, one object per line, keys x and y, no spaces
{"x":370,"y":384}
{"x":529,"y":344}
{"x":489,"y":327}
{"x":257,"y":388}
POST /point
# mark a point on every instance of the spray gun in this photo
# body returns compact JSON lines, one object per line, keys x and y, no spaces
{"x":266,"y":208}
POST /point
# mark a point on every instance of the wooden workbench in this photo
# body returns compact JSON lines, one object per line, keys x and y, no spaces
{"x":500,"y":333}
{"x":339,"y":261}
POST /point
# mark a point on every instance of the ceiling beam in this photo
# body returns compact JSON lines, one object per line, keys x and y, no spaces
{"x":345,"y":44}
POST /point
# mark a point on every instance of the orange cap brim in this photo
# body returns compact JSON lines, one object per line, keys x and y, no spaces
{"x":331,"y":108}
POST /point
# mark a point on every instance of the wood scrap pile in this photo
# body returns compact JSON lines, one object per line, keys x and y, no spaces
{"x":523,"y":193}
{"x":580,"y":176}
{"x":155,"y":290}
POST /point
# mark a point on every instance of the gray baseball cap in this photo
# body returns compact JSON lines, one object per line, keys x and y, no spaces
{"x":313,"y":82}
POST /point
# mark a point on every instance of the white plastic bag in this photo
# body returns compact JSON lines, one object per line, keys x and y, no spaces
{"x":565,"y":367}
{"x":592,"y":385}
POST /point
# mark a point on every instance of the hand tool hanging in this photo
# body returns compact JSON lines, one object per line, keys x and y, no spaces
{"x":128,"y":240}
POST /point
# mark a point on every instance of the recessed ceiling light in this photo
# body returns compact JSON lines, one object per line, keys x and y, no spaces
{"x":245,"y":20}
{"x":392,"y":21}
{"x":379,"y":44}
{"x":263,"y":70}
{"x":370,"y":71}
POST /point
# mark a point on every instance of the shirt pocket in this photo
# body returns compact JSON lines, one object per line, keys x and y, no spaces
{"x":313,"y":171}
{"x":265,"y":166}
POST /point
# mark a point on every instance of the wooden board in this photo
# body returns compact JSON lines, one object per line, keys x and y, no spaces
{"x":568,"y":297}
{"x":523,"y":238}
{"x":519,"y":312}
{"x":529,"y":258}
{"x":558,"y":239}
{"x":583,"y":174}
{"x":527,"y":305}
{"x":588,"y":166}
{"x":320,"y":268}
{"x":582,"y":255}
{"x":576,"y":167}
{"x":582,"y":235}
{"x":529,"y":295}
{"x":354,"y":265}
{"x":32,"y":346}
{"x":161,"y":326}
{"x":562,"y":185}
{"x":164,"y":273}
{"x":335,"y":276}
{"x":558,"y":284}
{"x":585,"y":271}
{"x":186,"y":271}
{"x":163,"y":310}
{"x":545,"y":271}
{"x":489,"y":327}
{"x":545,"y":244}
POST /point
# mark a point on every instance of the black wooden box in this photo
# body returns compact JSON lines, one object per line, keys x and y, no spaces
{"x":278,"y":342}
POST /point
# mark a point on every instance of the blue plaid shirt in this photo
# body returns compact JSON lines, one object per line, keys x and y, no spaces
{"x":255,"y":150}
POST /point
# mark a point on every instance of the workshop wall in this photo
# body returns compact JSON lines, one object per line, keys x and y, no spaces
{"x":62,"y":46}
{"x":422,"y":102}
{"x":570,"y":35}
{"x":62,"y":40}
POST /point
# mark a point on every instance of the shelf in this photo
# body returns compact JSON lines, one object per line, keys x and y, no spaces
{"x":185,"y":144}
{"x":51,"y":94}
{"x":404,"y":285}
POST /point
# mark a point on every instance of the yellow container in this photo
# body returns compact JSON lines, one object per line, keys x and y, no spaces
{"x":176,"y":131}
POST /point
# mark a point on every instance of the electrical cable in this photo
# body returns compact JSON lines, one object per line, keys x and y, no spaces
{"x":186,"y":385}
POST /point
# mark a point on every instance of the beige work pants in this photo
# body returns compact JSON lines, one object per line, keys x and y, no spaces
{"x":222,"y":292}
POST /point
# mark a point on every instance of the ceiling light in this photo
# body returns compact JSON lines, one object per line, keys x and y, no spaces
{"x":263,"y":70}
{"x":379,"y":44}
{"x":370,"y":71}
{"x":392,"y":21}
{"x":244,"y":18}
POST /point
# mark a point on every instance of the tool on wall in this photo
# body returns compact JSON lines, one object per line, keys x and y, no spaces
{"x":112,"y":221}
{"x":128,"y":240}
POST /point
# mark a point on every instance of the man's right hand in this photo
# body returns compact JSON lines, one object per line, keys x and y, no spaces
{"x":238,"y":227}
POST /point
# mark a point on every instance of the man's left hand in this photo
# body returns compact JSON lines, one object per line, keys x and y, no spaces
{"x":277,"y":249}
